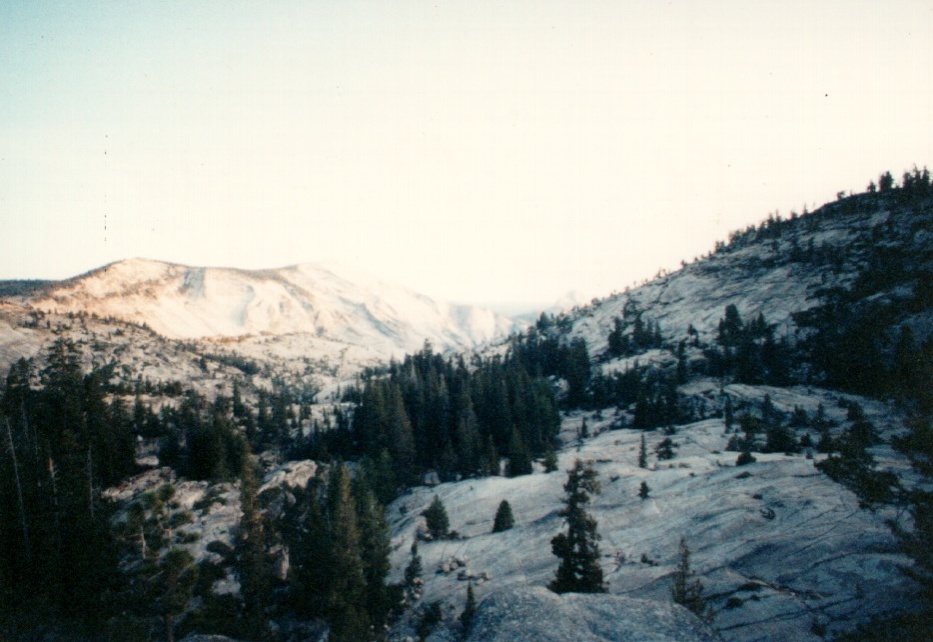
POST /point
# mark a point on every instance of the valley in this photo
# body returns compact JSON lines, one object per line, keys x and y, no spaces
{"x":271,"y":440}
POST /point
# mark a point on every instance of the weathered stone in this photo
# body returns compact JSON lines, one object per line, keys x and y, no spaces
{"x":535,"y":614}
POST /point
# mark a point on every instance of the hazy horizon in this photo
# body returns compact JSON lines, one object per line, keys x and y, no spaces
{"x":479,"y":152}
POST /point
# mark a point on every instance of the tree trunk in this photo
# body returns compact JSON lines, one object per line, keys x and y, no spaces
{"x":19,"y":489}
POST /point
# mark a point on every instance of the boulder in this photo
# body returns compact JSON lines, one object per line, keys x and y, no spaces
{"x":535,"y":614}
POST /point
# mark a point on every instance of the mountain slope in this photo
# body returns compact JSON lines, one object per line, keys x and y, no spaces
{"x":324,"y":301}
{"x":877,"y":245}
{"x":778,"y":546}
{"x":784,"y":549}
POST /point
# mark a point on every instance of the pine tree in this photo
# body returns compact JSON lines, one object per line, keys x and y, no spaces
{"x":177,"y":577}
{"x":643,"y":453}
{"x":731,"y":329}
{"x":682,"y":368}
{"x":469,"y":610}
{"x":643,"y":490}
{"x":617,"y":338}
{"x":578,"y":548}
{"x":436,"y":519}
{"x":253,"y":561}
{"x":729,"y":417}
{"x":519,"y":459}
{"x":504,"y":520}
{"x":414,"y":568}
{"x":345,"y":596}
{"x":665,"y":449}
{"x":686,"y":592}
{"x":885,"y":182}
{"x":376,"y":548}
{"x":467,"y":433}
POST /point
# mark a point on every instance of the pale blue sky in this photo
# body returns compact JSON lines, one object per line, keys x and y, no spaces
{"x":479,"y":151}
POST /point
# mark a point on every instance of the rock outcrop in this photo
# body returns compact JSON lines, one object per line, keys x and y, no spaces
{"x":535,"y":614}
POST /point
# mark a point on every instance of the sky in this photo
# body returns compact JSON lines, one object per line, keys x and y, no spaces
{"x":481,"y":152}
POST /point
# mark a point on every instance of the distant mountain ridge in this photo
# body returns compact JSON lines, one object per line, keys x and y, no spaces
{"x":323,"y":300}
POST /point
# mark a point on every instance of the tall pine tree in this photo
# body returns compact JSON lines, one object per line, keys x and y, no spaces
{"x":578,"y":549}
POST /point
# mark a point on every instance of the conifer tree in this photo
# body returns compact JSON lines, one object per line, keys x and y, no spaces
{"x":436,"y":519}
{"x":686,"y":592}
{"x":519,"y":460}
{"x":177,"y":577}
{"x":414,"y":568}
{"x":731,"y":329}
{"x":617,"y":338}
{"x":665,"y":449}
{"x":253,"y":560}
{"x":489,"y":458}
{"x":682,"y":369}
{"x":401,"y":438}
{"x":504,"y":519}
{"x":643,"y":453}
{"x":375,"y":544}
{"x":345,"y":596}
{"x":469,"y":610}
{"x":578,"y":548}
{"x":467,"y":433}
{"x":643,"y":490}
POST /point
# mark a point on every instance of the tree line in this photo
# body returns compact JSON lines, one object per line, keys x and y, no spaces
{"x":431,"y":413}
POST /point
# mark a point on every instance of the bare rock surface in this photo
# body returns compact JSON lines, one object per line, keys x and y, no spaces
{"x":535,"y":614}
{"x":778,"y":545}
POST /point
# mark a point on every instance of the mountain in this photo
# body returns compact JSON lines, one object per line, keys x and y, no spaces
{"x":307,"y":325}
{"x":872,"y":245}
{"x":795,"y":545}
{"x":768,"y":405}
{"x":322,"y":300}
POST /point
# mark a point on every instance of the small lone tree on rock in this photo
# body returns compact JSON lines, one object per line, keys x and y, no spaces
{"x":466,"y":618}
{"x":578,"y":548}
{"x":436,"y":520}
{"x":686,"y":592}
{"x":504,"y":519}
{"x":643,"y":490}
{"x":414,"y":568}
